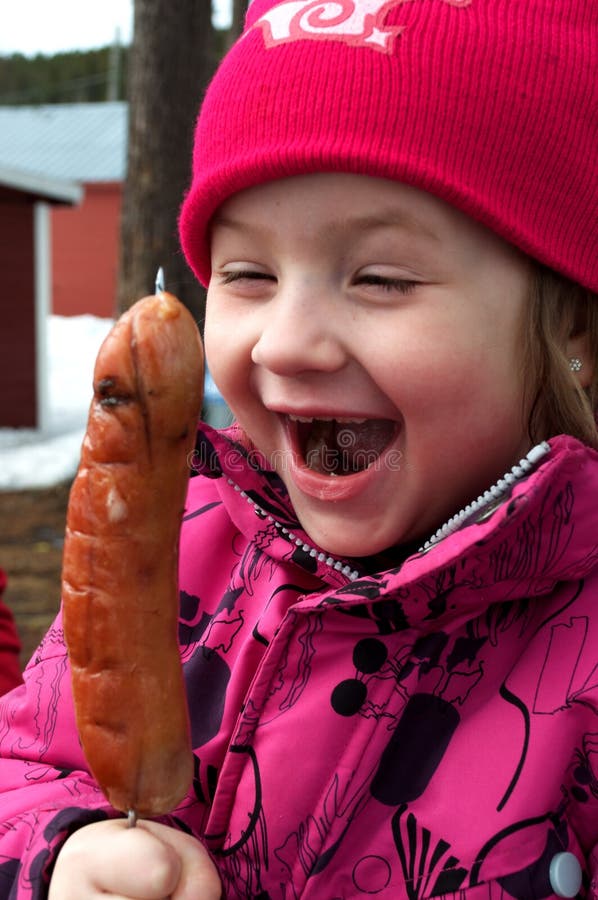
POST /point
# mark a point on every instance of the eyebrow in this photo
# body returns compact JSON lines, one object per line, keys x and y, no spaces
{"x":386,"y":219}
{"x":393,"y":219}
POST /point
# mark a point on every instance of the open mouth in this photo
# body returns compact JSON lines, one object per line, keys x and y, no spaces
{"x":340,"y":446}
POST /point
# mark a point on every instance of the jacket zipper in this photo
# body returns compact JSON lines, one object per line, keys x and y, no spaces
{"x":497,"y":492}
{"x":330,"y":561}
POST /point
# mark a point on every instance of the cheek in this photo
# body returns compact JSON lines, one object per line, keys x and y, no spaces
{"x":228,"y":347}
{"x":217,"y":319}
{"x":478,"y":348}
{"x":218,"y":341}
{"x":447,"y":375}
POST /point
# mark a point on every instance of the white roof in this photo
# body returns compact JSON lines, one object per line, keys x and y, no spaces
{"x":69,"y":141}
{"x":40,"y":185}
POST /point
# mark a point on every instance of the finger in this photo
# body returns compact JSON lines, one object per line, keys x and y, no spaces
{"x":134,"y":863}
{"x":199,"y":879}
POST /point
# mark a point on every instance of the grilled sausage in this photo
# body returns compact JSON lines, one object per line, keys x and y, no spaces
{"x":119,"y":577}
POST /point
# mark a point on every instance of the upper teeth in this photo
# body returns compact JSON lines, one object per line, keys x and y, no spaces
{"x":326,"y":419}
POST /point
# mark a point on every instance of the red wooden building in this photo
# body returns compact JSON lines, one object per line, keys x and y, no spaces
{"x":86,"y":143}
{"x":85,"y":252}
{"x":61,"y":174}
{"x":26,"y":204}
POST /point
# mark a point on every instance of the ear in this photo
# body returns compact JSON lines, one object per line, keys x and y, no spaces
{"x":579,"y":347}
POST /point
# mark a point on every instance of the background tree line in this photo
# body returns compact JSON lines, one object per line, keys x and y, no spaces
{"x":77,"y":77}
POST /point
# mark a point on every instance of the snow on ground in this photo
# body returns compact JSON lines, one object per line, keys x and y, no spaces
{"x":34,"y":459}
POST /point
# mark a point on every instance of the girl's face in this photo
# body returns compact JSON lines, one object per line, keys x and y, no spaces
{"x":366,"y":336}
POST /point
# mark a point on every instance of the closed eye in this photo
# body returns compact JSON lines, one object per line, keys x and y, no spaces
{"x":245,"y":274}
{"x":400,"y":285}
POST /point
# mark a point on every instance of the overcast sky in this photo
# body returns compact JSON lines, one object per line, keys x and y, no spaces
{"x":51,"y":26}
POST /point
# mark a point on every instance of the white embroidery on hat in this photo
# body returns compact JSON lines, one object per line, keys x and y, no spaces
{"x":359,"y":23}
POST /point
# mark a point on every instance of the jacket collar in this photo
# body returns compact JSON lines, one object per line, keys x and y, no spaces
{"x":542,"y":528}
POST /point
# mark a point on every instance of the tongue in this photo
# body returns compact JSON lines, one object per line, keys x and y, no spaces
{"x":342,"y":448}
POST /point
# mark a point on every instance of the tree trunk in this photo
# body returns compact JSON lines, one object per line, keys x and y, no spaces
{"x":239,"y":8}
{"x":172,"y":60}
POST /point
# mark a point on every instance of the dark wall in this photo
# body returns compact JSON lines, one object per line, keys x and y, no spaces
{"x":18,"y":404}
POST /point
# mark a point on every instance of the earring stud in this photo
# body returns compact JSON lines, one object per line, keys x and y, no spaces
{"x":575,"y":364}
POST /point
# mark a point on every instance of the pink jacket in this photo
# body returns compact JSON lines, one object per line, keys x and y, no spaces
{"x":430,"y":731}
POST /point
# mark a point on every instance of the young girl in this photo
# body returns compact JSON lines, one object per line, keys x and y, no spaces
{"x":389,"y":565}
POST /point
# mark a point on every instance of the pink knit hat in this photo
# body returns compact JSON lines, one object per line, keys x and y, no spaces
{"x":489,"y":104}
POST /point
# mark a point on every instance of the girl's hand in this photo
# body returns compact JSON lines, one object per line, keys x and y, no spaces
{"x":148,"y":862}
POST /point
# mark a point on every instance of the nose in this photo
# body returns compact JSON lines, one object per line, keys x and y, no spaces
{"x":301,"y":331}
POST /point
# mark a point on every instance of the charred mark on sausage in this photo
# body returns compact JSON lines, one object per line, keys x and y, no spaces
{"x":109,"y":394}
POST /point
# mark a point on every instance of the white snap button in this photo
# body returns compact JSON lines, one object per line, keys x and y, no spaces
{"x":565,"y":875}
